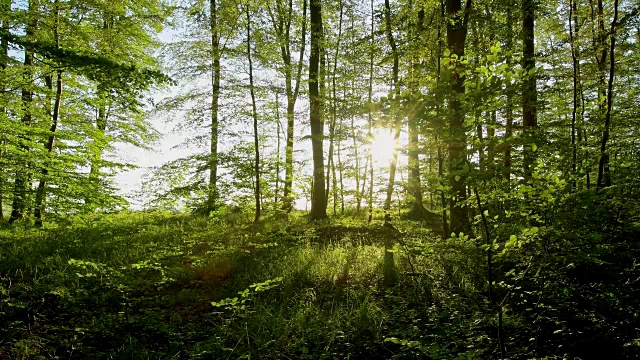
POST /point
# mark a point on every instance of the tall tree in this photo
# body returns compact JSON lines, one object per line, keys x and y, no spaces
{"x":457,"y":24}
{"x":282,"y":21}
{"x":254,"y":114}
{"x":395,"y":110}
{"x":5,"y":11}
{"x":529,"y":91}
{"x":318,"y":199}
{"x":21,"y":182}
{"x":418,"y":210}
{"x":41,"y":191}
{"x":604,"y":176}
{"x":212,"y":195}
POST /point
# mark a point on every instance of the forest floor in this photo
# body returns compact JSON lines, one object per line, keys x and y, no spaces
{"x":166,"y":286}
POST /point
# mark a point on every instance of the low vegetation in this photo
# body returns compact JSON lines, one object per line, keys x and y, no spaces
{"x":143,"y":285}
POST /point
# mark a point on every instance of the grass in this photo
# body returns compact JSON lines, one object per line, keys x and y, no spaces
{"x":145,"y":286}
{"x":152,"y":285}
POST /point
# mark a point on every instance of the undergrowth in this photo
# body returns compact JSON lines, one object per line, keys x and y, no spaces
{"x":152,"y":285}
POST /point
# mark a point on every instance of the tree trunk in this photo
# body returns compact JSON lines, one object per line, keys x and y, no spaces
{"x":529,"y":91}
{"x":22,"y":172}
{"x":41,"y":192}
{"x":395,"y":111}
{"x":212,"y":196}
{"x":370,"y":117}
{"x":277,"y":187}
{"x":292,"y":93}
{"x":573,"y":19}
{"x":254,"y":113}
{"x":318,"y":200}
{"x":418,"y":211}
{"x":604,"y":176}
{"x":438,"y":136}
{"x":456,"y":37}
{"x":508,"y":131}
{"x":6,"y":9}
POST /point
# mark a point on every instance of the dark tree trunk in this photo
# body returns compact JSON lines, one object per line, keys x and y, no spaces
{"x":457,"y":20}
{"x":395,"y":105}
{"x":604,"y":176}
{"x":508,"y":131}
{"x":418,"y":210}
{"x":370,"y":116}
{"x":254,"y":113}
{"x":4,"y":57}
{"x":212,"y":196}
{"x":22,"y":178}
{"x":529,"y":91}
{"x":318,"y":200}
{"x":41,"y":192}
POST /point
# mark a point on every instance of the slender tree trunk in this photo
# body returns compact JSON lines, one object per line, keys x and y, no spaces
{"x":340,"y":167}
{"x":438,"y":136}
{"x":254,"y":113}
{"x":370,"y":116}
{"x":334,"y":111}
{"x":41,"y":192}
{"x":491,"y":148}
{"x":277,"y":187}
{"x":573,"y":19}
{"x":604,"y":176}
{"x":215,"y":95}
{"x":318,"y":200}
{"x":22,"y":178}
{"x":418,"y":211}
{"x":357,"y":159}
{"x":292,"y":95}
{"x":6,"y":9}
{"x":395,"y":105}
{"x":456,"y":37}
{"x":508,"y":131}
{"x":529,"y":92}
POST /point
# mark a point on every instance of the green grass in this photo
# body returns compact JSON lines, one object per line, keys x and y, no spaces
{"x":140,"y":285}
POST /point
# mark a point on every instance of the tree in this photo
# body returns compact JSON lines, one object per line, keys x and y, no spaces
{"x":254,"y":114}
{"x":457,"y":23}
{"x":282,"y":21}
{"x":318,"y":199}
{"x":395,"y":109}
{"x":529,"y":91}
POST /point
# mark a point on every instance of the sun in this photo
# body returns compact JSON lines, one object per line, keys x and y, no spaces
{"x":382,"y":147}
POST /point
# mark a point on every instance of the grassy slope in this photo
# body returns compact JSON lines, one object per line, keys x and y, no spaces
{"x":162,"y":286}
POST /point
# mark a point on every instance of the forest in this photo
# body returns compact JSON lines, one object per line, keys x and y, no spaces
{"x":335,"y":179}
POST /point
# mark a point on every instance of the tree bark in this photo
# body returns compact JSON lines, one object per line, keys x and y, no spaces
{"x":318,"y":200}
{"x":41,"y":192}
{"x":508,"y":131}
{"x":604,"y":176}
{"x":395,"y":111}
{"x":418,"y":211}
{"x":370,"y":116}
{"x":22,"y":173}
{"x":254,"y":113}
{"x":277,"y":187}
{"x":212,"y":195}
{"x":456,"y":37}
{"x":4,"y":43}
{"x":573,"y":19}
{"x":529,"y":91}
{"x":282,"y":26}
